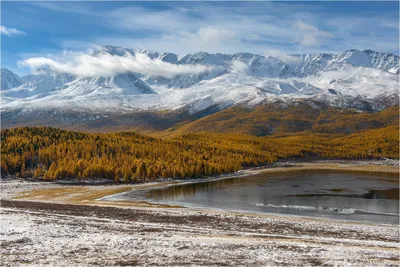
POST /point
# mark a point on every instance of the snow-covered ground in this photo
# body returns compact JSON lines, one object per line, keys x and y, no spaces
{"x":74,"y":237}
{"x":55,"y":233}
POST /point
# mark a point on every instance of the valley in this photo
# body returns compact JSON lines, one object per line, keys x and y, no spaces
{"x":211,"y":133}
{"x":222,"y":143}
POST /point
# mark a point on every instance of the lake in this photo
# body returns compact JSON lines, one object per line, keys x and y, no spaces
{"x":339,"y":195}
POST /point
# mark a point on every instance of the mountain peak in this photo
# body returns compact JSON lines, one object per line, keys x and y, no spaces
{"x":9,"y":79}
{"x":231,"y":79}
{"x":7,"y":71}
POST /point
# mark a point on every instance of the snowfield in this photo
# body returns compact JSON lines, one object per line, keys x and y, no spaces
{"x":341,"y":79}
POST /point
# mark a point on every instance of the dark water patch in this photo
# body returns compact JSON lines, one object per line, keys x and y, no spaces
{"x":342,"y":195}
{"x":392,"y":193}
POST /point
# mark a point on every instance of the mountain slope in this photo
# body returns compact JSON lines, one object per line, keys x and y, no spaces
{"x":278,"y":118}
{"x":365,"y":80}
{"x":9,"y":79}
{"x":122,"y":84}
{"x":39,"y":85}
{"x":135,"y":157}
{"x":298,"y":66}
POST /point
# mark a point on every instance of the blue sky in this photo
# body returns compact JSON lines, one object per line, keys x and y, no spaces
{"x":56,"y":29}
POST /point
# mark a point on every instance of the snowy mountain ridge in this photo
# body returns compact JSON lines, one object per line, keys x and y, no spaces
{"x":342,"y":79}
{"x":296,"y":65}
{"x":9,"y":79}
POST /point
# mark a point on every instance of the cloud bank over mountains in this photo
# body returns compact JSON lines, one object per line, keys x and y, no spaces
{"x":85,"y":65}
{"x":190,"y":27}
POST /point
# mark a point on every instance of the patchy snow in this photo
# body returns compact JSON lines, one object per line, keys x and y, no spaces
{"x":41,"y":234}
{"x":43,"y":238}
{"x":9,"y":79}
{"x":339,"y":79}
{"x":11,"y":187}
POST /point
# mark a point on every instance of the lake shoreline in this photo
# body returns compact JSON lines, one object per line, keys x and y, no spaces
{"x":282,"y":167}
{"x":104,"y":195}
{"x":94,"y":192}
{"x":164,"y":235}
{"x":347,"y":212}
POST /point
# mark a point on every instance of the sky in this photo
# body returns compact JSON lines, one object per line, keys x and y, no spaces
{"x":56,"y":30}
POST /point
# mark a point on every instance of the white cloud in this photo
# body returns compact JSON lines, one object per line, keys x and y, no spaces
{"x":308,"y":35}
{"x":188,"y":27}
{"x":10,"y":31}
{"x":193,"y":27}
{"x":239,"y":66}
{"x":139,"y":18}
{"x":391,"y":24}
{"x":65,"y":6}
{"x":280,"y":55}
{"x":210,"y":39}
{"x":214,"y":28}
{"x":85,"y":65}
{"x":209,"y":35}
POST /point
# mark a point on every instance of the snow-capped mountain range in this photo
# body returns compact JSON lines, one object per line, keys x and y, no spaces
{"x":344,"y":79}
{"x":9,"y":79}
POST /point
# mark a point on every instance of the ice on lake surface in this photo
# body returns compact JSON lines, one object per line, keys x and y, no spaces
{"x":341,"y":195}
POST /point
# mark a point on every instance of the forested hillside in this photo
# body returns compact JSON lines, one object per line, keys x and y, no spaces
{"x":272,"y":119}
{"x":53,"y":153}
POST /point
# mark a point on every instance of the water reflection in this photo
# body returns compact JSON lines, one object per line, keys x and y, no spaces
{"x":352,"y":195}
{"x":178,"y":192}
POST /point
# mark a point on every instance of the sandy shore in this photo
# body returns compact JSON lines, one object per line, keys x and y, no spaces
{"x":350,"y":166}
{"x":92,"y":194}
{"x":44,"y":223}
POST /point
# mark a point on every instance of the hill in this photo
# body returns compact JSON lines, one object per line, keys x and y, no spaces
{"x":52,"y":153}
{"x":279,"y":118}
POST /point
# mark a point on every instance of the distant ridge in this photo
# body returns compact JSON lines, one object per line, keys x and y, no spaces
{"x":365,"y":80}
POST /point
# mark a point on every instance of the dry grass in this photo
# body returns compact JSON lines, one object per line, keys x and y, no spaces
{"x":90,"y":195}
{"x":71,"y":195}
{"x":391,"y":170}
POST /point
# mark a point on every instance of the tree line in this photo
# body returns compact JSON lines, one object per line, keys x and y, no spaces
{"x":52,"y":153}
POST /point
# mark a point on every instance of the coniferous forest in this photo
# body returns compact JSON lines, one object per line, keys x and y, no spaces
{"x":52,"y":153}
